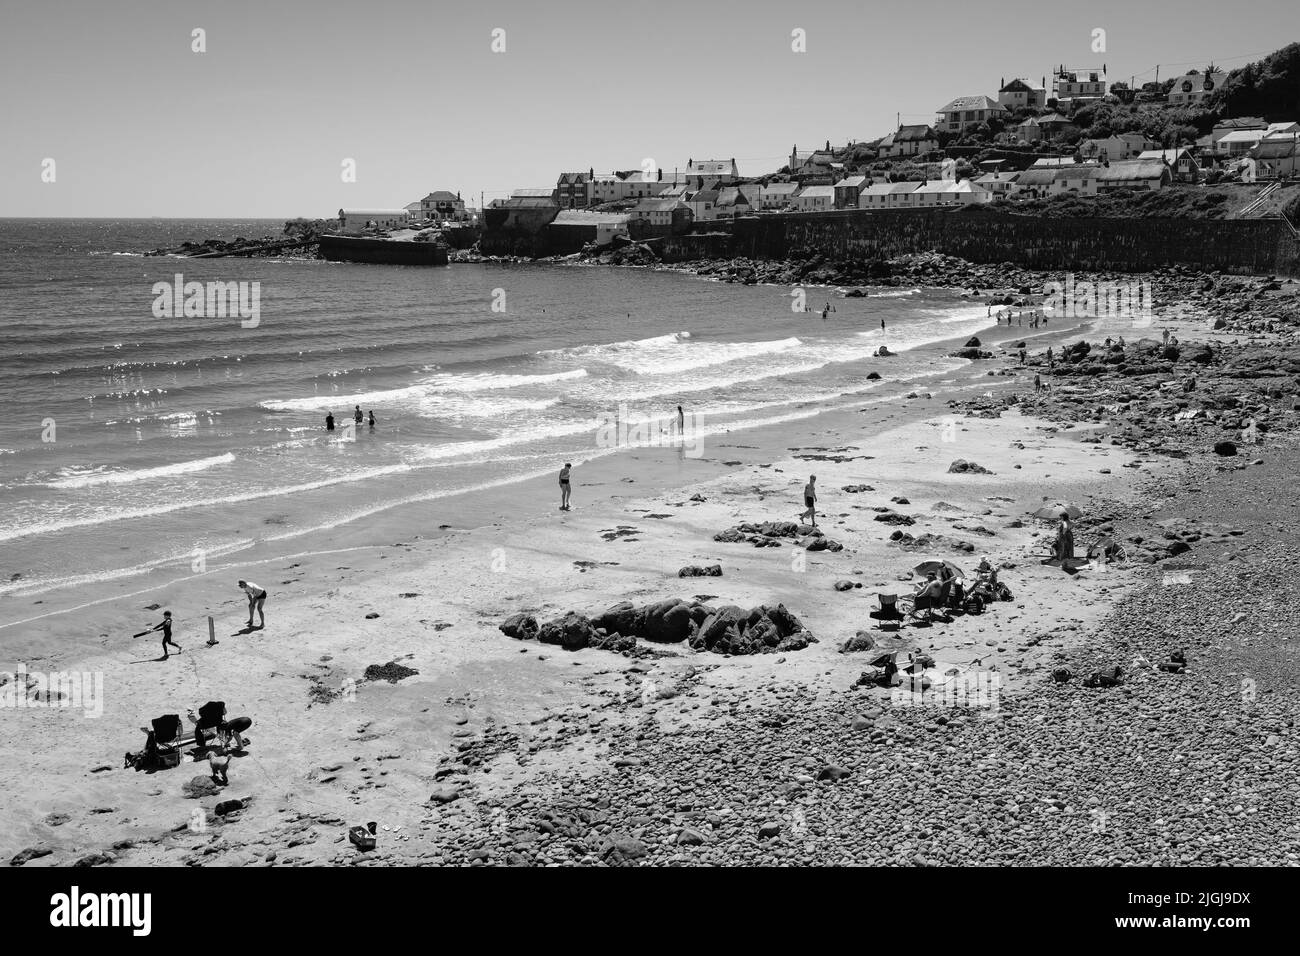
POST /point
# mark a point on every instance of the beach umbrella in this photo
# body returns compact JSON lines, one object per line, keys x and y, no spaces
{"x":1053,"y":512}
{"x":932,"y":567}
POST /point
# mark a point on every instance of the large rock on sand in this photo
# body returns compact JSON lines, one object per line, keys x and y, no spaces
{"x":572,"y":632}
{"x":667,"y":622}
{"x":716,"y":625}
{"x":522,"y":627}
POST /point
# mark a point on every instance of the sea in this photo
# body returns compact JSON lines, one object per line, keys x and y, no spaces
{"x":134,"y":435}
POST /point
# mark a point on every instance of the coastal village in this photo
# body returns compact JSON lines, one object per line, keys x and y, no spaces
{"x":1071,"y":134}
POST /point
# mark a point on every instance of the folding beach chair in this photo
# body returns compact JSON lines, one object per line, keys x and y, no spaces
{"x":888,"y":613}
{"x":169,"y":736}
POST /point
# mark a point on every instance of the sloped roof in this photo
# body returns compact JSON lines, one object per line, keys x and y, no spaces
{"x":1017,"y":86}
{"x":656,"y":205}
{"x":972,"y":103}
{"x":583,"y":217}
{"x":1040,"y":176}
{"x":1052,"y":162}
{"x":572,"y":179}
{"x":916,"y":133}
{"x":1243,"y":136}
{"x":373,"y":213}
{"x":889,"y":189}
{"x":710,"y":167}
{"x":441,"y":195}
{"x":1273,"y":149}
{"x":1052,"y":118}
{"x":852,"y":181}
{"x":1079,"y":171}
{"x":779,"y":189}
{"x":1165,"y":155}
{"x":1132,"y":169}
{"x":706,"y":195}
{"x":998,"y":178}
{"x":814,"y":192}
{"x":533,"y":192}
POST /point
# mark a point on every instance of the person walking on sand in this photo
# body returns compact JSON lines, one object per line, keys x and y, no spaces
{"x":329,"y":421}
{"x":256,"y":599}
{"x":165,"y":625}
{"x":810,"y":500}
{"x":565,"y":488}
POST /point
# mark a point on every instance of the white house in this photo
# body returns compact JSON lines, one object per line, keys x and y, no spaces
{"x":655,"y":212}
{"x":888,"y":196}
{"x":356,"y":220}
{"x":913,"y":140}
{"x":998,"y":184}
{"x":966,"y":111}
{"x":779,"y":195}
{"x":1275,"y":158}
{"x":1191,"y":88}
{"x":948,"y":192}
{"x":815,"y":199}
{"x":1018,"y":94}
{"x":1072,"y":86}
{"x":724,"y":171}
{"x":608,"y":224}
{"x":1239,"y":142}
{"x":704,"y":205}
{"x":1136,"y":174}
{"x":1180,"y":162}
{"x":626,"y":184}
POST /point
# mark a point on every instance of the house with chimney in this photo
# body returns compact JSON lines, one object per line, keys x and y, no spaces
{"x":1019,"y":95}
{"x":573,"y":190}
{"x":915,"y":140}
{"x":442,"y":206}
{"x":966,"y":111}
{"x":713,"y":172}
{"x":1193,"y":87}
{"x":1072,"y":87}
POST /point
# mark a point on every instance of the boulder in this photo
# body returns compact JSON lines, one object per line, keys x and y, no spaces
{"x":694,"y":571}
{"x":963,"y":467}
{"x":622,"y":618}
{"x":1225,"y":448}
{"x":572,"y":632}
{"x":667,"y":622}
{"x":522,"y":627}
{"x":197,"y":787}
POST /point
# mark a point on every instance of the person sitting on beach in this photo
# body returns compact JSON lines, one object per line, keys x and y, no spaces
{"x":986,"y":574}
{"x":256,"y":599}
{"x":565,"y":490}
{"x":930,"y":588}
{"x":810,"y":501}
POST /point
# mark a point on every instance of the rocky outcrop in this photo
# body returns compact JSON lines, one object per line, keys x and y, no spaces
{"x":725,"y":630}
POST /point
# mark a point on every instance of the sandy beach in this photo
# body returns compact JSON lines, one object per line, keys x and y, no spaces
{"x":488,"y":745}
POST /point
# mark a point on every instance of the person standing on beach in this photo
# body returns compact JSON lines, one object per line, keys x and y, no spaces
{"x":356,"y":416}
{"x":256,"y":600}
{"x":372,"y":419}
{"x":681,"y":421}
{"x":1051,"y":362}
{"x":565,"y":489}
{"x":882,"y":325}
{"x":165,"y":625}
{"x":1038,"y":383}
{"x":810,"y":500}
{"x":329,"y":421}
{"x":1022,"y":356}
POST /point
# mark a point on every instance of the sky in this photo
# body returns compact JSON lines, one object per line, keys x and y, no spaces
{"x":260,"y":124}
